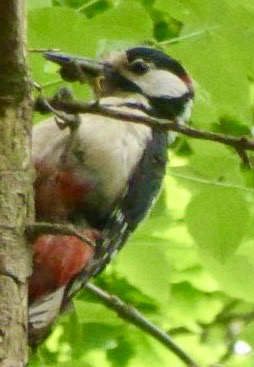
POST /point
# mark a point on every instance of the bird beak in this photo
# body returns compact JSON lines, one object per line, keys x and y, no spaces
{"x":75,"y":68}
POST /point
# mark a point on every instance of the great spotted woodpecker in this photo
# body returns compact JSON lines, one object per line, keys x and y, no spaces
{"x":102,"y":176}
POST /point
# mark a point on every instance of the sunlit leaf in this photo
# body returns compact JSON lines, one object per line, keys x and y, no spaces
{"x":217,"y":219}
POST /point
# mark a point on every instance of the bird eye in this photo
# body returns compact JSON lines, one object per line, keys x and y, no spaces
{"x":139,"y":67}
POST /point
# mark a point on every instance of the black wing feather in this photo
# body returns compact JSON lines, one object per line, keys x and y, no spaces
{"x":144,"y":187}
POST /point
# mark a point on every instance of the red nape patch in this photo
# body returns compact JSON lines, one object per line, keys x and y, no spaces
{"x":57,"y":259}
{"x":187,"y":80}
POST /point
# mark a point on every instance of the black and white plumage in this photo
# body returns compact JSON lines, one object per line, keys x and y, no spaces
{"x":114,"y":168}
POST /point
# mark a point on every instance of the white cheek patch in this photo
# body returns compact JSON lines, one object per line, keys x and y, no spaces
{"x":157,"y":83}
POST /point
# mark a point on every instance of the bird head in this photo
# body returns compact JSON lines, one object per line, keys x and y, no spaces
{"x":162,"y":82}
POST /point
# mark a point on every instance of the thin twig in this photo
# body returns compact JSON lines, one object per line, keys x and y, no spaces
{"x":202,"y":180}
{"x":52,"y":83}
{"x":73,"y":107}
{"x":190,"y":35}
{"x":38,"y":228}
{"x":230,"y":347}
{"x":86,"y":6}
{"x":243,"y":155}
{"x":42,"y":50}
{"x":133,"y":316}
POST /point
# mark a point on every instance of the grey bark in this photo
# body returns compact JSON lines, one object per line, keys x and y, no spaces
{"x":16,"y":208}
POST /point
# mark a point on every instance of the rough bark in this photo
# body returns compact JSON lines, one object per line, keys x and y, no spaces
{"x":16,"y":208}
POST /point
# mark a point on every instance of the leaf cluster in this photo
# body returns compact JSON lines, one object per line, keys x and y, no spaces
{"x":190,"y":265}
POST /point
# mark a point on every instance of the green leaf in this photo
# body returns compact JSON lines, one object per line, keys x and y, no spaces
{"x":89,"y":312}
{"x":100,"y":335}
{"x":162,"y":271}
{"x":144,"y":266}
{"x":248,"y":334}
{"x":216,"y":162}
{"x":198,"y":277}
{"x":35,"y":4}
{"x":221,"y":78}
{"x":217,"y":219}
{"x":122,"y":353}
{"x":188,"y":307}
{"x":151,"y":353}
{"x":235,"y":277}
{"x":210,"y":67}
{"x":177,"y":196}
{"x":72,"y":32}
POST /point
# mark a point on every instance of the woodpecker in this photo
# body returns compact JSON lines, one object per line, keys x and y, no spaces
{"x":104,"y":175}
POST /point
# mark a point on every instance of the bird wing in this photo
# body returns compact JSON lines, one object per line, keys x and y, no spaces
{"x":143,"y":188}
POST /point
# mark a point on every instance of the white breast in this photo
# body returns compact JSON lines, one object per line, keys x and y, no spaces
{"x":103,"y":150}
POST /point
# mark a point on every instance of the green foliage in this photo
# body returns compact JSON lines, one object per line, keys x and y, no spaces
{"x":190,"y":266}
{"x":212,"y":219}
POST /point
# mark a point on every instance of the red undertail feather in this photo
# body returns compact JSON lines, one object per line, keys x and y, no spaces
{"x":57,"y":259}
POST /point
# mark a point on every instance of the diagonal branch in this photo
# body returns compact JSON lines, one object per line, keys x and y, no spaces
{"x":125,"y":311}
{"x":133,"y":316}
{"x":241,"y":143}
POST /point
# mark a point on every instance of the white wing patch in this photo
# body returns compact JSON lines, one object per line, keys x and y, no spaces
{"x":43,"y":312}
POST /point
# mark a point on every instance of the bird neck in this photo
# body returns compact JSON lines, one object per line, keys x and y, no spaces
{"x":134,"y":103}
{"x":175,"y":109}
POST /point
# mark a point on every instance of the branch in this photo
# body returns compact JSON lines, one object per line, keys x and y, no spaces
{"x":42,"y":50}
{"x":38,"y":228}
{"x":132,"y":315}
{"x":74,"y":107}
{"x":62,"y":118}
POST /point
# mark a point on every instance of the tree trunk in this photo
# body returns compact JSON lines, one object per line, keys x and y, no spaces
{"x":16,"y":208}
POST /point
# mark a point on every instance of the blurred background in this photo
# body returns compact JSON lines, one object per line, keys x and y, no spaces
{"x":190,"y":266}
